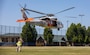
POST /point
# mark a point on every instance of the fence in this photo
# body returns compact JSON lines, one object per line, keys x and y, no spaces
{"x":16,"y":29}
{"x":9,"y":29}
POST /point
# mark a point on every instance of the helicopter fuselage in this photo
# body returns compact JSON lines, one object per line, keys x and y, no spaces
{"x":47,"y":23}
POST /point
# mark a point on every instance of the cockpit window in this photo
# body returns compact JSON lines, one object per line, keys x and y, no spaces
{"x":45,"y":19}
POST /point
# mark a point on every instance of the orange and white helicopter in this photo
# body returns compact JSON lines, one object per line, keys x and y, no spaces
{"x":47,"y":21}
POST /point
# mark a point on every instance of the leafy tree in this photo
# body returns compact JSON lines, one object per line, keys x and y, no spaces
{"x":87,"y":39}
{"x":71,"y":32}
{"x":48,"y":35}
{"x":74,"y":39}
{"x":29,"y":33}
{"x":81,"y":33}
{"x":76,"y":33}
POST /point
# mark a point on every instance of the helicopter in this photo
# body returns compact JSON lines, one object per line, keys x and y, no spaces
{"x":46,"y":21}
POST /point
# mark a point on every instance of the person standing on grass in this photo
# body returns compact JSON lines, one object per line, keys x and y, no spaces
{"x":19,"y":44}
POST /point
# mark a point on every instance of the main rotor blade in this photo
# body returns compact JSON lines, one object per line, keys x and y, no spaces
{"x":25,"y":6}
{"x":20,"y":5}
{"x":36,"y":11}
{"x":27,"y":12}
{"x":65,"y":10}
{"x":39,"y":17}
{"x":70,"y":17}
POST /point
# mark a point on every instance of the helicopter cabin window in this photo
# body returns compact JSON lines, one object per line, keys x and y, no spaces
{"x":54,"y":23}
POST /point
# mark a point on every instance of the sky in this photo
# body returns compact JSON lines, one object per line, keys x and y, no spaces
{"x":10,"y":11}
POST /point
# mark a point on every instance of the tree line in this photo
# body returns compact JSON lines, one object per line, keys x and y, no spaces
{"x":76,"y":34}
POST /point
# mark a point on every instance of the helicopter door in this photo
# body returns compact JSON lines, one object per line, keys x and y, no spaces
{"x":48,"y":22}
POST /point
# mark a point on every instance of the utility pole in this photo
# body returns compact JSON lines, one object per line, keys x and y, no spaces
{"x":68,"y":21}
{"x":67,"y":24}
{"x":81,"y":15}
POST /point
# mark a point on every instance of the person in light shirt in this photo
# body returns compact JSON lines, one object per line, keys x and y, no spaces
{"x":19,"y":44}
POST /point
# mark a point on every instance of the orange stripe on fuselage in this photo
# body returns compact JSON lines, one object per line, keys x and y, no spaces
{"x":29,"y":19}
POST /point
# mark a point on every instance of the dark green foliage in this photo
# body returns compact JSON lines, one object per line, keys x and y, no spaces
{"x":81,"y":33}
{"x":29,"y":33}
{"x":87,"y":39}
{"x":72,"y":32}
{"x":76,"y":33}
{"x":48,"y":35}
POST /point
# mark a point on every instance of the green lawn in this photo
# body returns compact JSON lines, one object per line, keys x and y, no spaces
{"x":55,"y":50}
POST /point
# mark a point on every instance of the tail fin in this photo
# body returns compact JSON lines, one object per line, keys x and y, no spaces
{"x":24,"y":14}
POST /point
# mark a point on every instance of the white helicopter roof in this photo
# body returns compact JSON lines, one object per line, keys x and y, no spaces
{"x":53,"y":18}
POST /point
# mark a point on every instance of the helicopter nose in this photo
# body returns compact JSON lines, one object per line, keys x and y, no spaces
{"x":61,"y":25}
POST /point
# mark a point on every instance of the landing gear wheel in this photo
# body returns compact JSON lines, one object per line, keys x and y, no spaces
{"x":58,"y":29}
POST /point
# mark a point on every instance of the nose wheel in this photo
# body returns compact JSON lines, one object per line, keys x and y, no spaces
{"x":58,"y":29}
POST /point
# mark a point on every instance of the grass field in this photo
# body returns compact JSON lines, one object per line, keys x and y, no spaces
{"x":51,"y":50}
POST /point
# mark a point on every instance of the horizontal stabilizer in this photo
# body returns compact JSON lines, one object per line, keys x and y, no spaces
{"x":27,"y":20}
{"x":21,"y":20}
